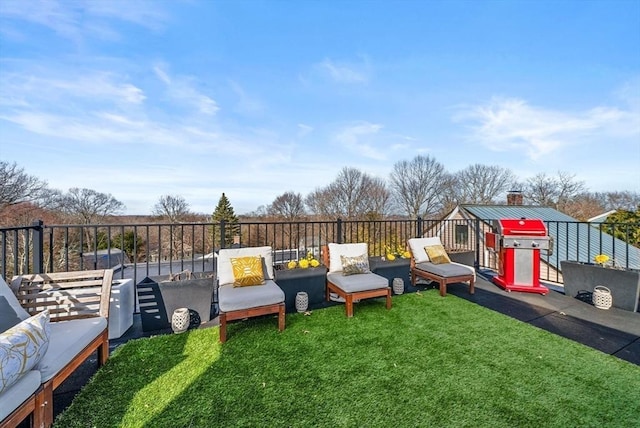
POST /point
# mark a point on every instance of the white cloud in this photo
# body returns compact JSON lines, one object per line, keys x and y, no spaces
{"x":89,"y":86}
{"x":343,"y":72}
{"x":77,"y":20}
{"x":510,"y":124}
{"x":360,"y":138}
{"x":304,"y":130}
{"x":246,"y":104}
{"x":182,"y":89}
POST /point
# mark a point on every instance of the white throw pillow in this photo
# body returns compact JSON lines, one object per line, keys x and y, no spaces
{"x":22,"y":347}
{"x":417,"y":247}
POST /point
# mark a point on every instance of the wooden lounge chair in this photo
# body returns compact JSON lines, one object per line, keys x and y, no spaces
{"x":443,"y":273}
{"x":239,"y":302}
{"x":351,"y":287}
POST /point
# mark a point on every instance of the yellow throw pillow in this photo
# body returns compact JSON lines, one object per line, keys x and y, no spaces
{"x":247,"y":271}
{"x":437,"y":254}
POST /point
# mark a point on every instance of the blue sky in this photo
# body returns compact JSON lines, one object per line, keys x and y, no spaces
{"x":255,"y":98}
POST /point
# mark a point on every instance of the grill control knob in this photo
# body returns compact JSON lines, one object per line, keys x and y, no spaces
{"x":516,"y":243}
{"x":534,"y":244}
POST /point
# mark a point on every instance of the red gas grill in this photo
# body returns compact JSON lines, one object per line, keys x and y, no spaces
{"x":518,"y":243}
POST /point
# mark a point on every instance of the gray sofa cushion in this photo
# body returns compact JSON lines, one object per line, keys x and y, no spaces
{"x":17,"y":393}
{"x":67,"y":339}
{"x":237,"y":298}
{"x":360,"y":282}
{"x":445,"y":270}
{"x":8,"y":317}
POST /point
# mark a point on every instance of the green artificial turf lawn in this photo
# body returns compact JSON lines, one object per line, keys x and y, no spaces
{"x":429,"y":361}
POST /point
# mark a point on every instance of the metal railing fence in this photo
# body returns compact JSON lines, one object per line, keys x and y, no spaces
{"x":140,"y":250}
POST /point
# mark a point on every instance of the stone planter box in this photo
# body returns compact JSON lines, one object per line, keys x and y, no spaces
{"x":624,"y":284}
{"x":311,"y":280}
{"x":158,"y":298}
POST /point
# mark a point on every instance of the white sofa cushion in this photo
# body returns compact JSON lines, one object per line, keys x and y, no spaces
{"x":237,"y":298}
{"x":22,"y":347}
{"x":360,"y":282}
{"x":17,"y":393}
{"x":68,"y":338}
{"x":417,"y":247}
{"x":8,"y":294}
{"x":225,"y":270}
{"x":348,"y":250}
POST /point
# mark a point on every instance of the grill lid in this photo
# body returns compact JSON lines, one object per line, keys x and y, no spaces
{"x":521,"y":227}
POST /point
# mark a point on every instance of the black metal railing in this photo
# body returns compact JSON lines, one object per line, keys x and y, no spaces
{"x":140,"y":250}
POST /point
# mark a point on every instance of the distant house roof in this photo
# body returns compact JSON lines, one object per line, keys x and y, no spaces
{"x":572,"y":240}
{"x":601,"y":218}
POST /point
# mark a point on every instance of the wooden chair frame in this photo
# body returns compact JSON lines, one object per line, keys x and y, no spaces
{"x":30,"y":294}
{"x":350,"y":297}
{"x":278,"y":308}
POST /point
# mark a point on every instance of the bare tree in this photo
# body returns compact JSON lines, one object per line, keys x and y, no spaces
{"x":173,"y":208}
{"x":416,"y":185}
{"x":483,"y":184}
{"x":550,"y":191}
{"x":88,"y":205}
{"x":17,"y":186}
{"x":288,"y":206}
{"x":353,"y":194}
{"x":378,"y":204}
{"x":448,"y":198}
{"x":584,"y":206}
{"x":624,"y":200}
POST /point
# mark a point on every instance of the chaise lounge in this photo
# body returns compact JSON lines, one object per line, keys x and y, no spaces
{"x":430,"y":261}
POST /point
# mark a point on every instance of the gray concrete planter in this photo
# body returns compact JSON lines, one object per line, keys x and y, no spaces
{"x":159,"y":298}
{"x":624,"y":284}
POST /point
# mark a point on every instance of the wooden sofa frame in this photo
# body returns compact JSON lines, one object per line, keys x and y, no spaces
{"x":31,"y":293}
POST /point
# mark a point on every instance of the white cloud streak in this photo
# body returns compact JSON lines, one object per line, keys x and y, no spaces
{"x":77,"y":20}
{"x":360,"y":138}
{"x":181,"y":89}
{"x":343,"y":72}
{"x":511,"y":124}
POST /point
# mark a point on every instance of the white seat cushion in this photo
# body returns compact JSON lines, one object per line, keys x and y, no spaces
{"x":68,"y":338}
{"x":359,"y":282}
{"x":417,"y":247}
{"x":237,"y":298}
{"x":17,"y":393}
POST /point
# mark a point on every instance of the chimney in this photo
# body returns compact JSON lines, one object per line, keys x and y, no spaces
{"x":514,"y":197}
